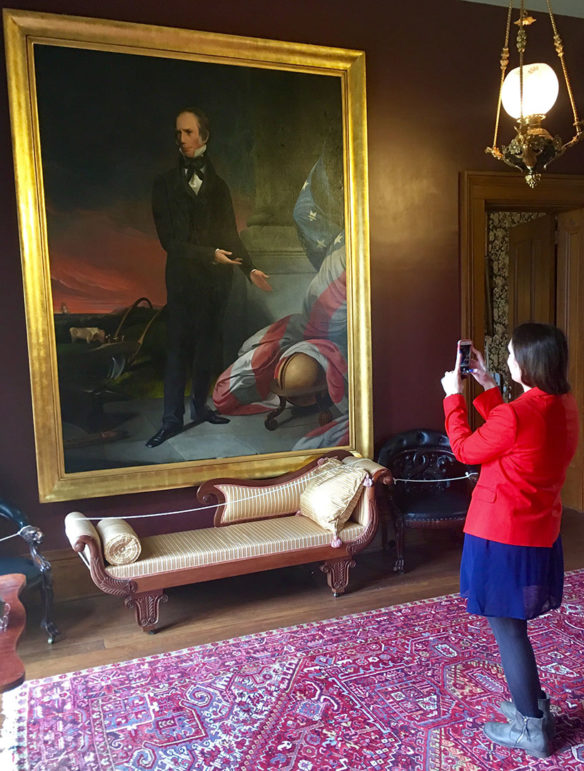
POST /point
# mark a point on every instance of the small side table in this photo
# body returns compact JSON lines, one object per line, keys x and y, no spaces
{"x":11,"y":667}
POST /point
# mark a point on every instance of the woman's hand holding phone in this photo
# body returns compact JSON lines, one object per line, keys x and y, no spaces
{"x":479,"y":371}
{"x":452,"y":380}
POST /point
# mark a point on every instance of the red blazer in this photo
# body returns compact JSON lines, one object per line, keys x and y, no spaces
{"x":524,"y":449}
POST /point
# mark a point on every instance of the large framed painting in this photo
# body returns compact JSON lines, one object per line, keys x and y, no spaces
{"x":194,"y":240}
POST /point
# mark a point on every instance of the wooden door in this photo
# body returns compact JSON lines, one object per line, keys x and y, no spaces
{"x":532,"y":272}
{"x":532,"y":275}
{"x":570,"y":318}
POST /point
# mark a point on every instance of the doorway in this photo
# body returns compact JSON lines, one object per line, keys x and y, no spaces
{"x":481,"y":192}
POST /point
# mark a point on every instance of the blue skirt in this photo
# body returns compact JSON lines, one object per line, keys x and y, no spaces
{"x":511,"y":581}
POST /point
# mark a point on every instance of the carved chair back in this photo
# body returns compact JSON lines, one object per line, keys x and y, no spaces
{"x":36,"y":568}
{"x":431,"y":488}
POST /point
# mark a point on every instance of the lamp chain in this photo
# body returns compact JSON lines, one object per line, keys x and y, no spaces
{"x":521,"y":46}
{"x":559,"y":46}
{"x":504,"y":62}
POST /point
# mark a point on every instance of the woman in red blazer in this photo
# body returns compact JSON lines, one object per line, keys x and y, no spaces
{"x":512,"y":563}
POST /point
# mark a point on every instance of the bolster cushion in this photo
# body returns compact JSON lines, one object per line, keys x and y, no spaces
{"x":244,"y":503}
{"x":77,"y":525}
{"x":213,"y":545}
{"x":121,"y":545}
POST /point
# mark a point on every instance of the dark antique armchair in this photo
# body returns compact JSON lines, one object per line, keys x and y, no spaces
{"x":36,"y":569}
{"x":431,"y":488}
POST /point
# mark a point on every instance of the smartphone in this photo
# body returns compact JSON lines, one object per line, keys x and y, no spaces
{"x":465,"y":346}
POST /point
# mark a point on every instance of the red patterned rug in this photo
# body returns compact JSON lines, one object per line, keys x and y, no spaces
{"x":405,"y":688}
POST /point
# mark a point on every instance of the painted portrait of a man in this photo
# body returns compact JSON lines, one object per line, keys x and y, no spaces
{"x":195,"y":221}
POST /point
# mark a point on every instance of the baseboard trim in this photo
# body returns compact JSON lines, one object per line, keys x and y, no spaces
{"x":71,"y":579}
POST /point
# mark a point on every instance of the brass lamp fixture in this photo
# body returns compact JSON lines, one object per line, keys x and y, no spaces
{"x":527,"y":93}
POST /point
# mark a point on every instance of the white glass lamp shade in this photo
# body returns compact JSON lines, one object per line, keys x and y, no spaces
{"x":540,"y":90}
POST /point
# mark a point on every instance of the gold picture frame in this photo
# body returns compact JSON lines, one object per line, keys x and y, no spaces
{"x":77,"y":89}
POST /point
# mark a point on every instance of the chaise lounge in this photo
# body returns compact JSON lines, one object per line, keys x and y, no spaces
{"x":257,"y":526}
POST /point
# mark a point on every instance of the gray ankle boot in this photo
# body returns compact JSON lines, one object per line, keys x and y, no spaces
{"x":509,"y":710}
{"x":524,"y":733}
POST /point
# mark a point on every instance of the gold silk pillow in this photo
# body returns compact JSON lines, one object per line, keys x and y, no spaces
{"x":332,"y":494}
{"x":121,"y":545}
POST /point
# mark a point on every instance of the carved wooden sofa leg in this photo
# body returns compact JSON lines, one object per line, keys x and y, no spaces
{"x":146,"y":605}
{"x":337,"y":573}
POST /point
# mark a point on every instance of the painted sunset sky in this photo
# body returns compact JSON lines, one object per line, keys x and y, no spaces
{"x":106,"y":125}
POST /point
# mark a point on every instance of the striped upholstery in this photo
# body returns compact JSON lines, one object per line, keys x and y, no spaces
{"x":246,"y":502}
{"x":361,"y":512}
{"x":120,"y":541}
{"x":208,"y":546}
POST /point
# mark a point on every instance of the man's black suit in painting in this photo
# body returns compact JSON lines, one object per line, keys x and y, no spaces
{"x":191,"y":226}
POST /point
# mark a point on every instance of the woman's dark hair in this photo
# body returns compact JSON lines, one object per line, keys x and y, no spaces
{"x":541,"y":351}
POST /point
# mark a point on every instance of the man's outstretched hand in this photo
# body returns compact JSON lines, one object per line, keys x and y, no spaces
{"x":257,"y":277}
{"x":260,"y":279}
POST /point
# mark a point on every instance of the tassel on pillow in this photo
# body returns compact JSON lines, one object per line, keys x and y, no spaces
{"x":330,"y":497}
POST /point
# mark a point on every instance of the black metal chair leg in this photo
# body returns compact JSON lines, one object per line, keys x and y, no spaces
{"x":47,"y":622}
{"x":399,"y":564}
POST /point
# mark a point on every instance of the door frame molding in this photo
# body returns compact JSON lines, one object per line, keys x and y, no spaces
{"x":481,"y":191}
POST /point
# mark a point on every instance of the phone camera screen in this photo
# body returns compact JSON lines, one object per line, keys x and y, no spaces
{"x":465,"y":367}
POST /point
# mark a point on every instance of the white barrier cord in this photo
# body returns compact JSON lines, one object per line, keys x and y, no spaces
{"x":262,"y":495}
{"x":439,"y":481}
{"x":203,"y":508}
{"x":250,"y":498}
{"x":14,"y":535}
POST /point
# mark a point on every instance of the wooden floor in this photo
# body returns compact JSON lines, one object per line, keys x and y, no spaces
{"x":100,"y":630}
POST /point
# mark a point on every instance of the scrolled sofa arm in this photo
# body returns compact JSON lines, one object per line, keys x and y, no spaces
{"x":82,"y":535}
{"x":366,"y":511}
{"x":240,"y":500}
{"x":376,"y":470}
{"x":77,"y":525}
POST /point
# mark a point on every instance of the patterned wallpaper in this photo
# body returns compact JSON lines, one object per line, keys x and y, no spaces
{"x":497,"y":322}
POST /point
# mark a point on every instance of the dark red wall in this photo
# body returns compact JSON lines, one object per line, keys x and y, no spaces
{"x":431,"y":92}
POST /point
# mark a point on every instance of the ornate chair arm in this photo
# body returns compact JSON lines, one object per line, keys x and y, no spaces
{"x":34,"y":537}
